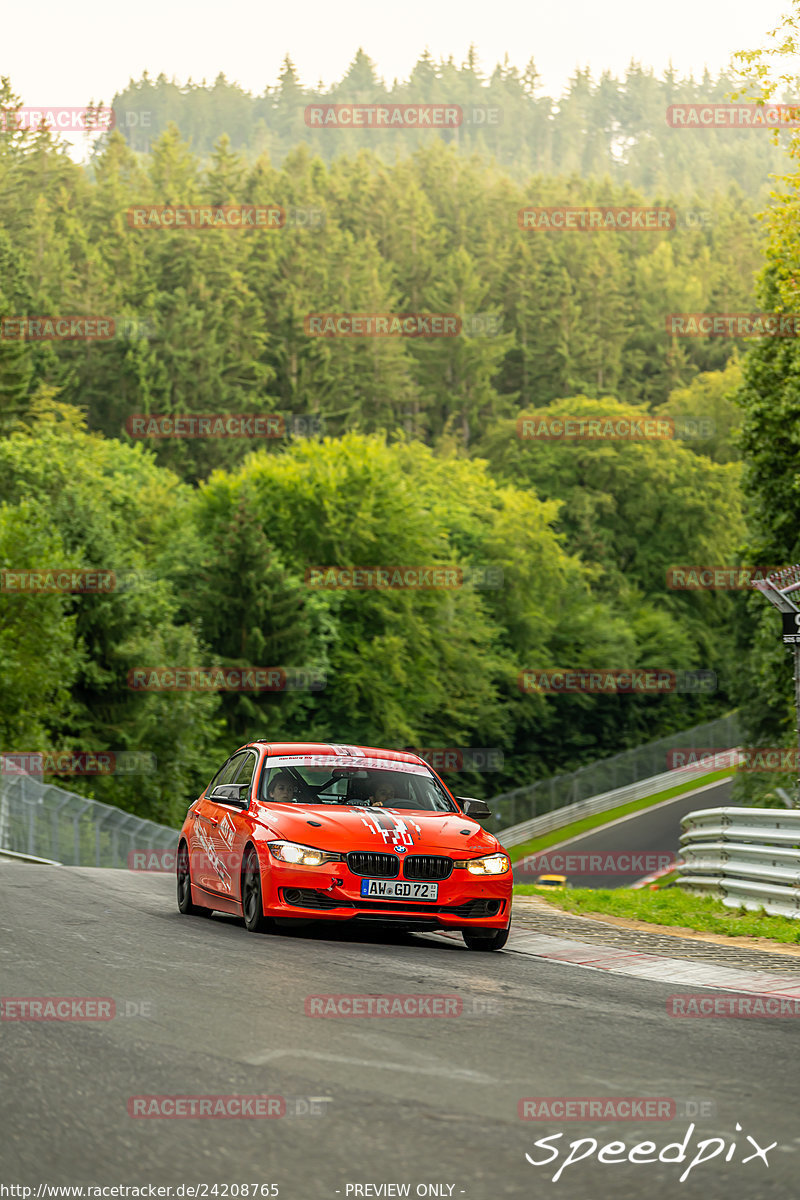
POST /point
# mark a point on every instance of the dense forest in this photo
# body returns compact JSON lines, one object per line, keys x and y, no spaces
{"x":615,"y":128}
{"x":392,"y":451}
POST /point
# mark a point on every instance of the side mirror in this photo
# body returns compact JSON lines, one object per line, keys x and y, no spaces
{"x":231,"y":793}
{"x":477,"y":809}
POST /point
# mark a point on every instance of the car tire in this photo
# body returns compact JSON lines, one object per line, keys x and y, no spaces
{"x":252,"y":896}
{"x":488,"y":939}
{"x":184,"y":881}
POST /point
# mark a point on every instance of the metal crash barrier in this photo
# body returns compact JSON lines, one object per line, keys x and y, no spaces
{"x":747,"y":857}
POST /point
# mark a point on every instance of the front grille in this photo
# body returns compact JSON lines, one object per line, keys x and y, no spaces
{"x":427,"y":866}
{"x":377,"y":866}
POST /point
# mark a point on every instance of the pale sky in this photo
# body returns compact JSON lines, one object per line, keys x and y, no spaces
{"x":62,"y":54}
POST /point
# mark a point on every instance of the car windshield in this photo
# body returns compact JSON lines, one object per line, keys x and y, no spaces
{"x":372,"y":783}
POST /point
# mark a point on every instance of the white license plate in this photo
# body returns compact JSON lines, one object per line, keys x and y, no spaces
{"x":396,"y":889}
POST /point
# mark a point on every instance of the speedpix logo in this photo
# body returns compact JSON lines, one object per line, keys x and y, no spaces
{"x":616,"y":1153}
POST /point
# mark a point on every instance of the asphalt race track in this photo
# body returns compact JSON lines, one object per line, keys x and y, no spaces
{"x":411,"y":1101}
{"x":652,"y":831}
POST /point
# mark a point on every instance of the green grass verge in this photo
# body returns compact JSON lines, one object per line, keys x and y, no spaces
{"x":670,"y":906}
{"x":594,"y":822}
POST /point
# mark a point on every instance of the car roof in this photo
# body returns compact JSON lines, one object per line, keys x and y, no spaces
{"x":336,"y":749}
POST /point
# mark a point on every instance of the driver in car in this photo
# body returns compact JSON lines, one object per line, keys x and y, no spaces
{"x":281,"y":788}
{"x":382,"y":795}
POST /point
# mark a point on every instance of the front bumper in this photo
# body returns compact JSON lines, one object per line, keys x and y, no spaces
{"x":333,"y":892}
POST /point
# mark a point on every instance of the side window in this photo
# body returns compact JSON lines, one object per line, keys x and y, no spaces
{"x":245,"y":774}
{"x":227,"y":773}
{"x":217,"y":778}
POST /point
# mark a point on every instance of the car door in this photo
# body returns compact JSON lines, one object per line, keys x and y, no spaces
{"x":226,"y":829}
{"x":205,"y":864}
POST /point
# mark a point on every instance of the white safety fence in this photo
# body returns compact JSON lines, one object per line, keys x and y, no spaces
{"x":744,"y":856}
{"x":568,"y":813}
{"x":42,"y":821}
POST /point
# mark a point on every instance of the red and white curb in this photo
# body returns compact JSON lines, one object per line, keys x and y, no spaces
{"x":653,"y":966}
{"x":650,"y":966}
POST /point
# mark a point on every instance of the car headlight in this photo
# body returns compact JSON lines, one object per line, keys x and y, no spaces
{"x":302,"y":856}
{"x":490,"y":864}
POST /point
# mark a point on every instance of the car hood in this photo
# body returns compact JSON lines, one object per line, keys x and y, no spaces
{"x":344,"y":828}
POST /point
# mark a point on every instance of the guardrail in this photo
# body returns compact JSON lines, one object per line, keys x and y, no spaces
{"x":598,"y":804}
{"x":745,"y":856}
{"x":43,"y":821}
{"x":607,"y":775}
